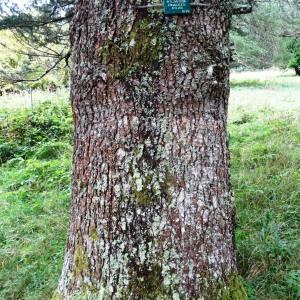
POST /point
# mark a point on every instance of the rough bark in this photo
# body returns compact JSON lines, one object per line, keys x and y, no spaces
{"x":152,"y":214}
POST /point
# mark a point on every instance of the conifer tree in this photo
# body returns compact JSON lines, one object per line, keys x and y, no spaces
{"x":152,"y":211}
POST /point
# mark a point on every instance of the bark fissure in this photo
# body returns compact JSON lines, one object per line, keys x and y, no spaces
{"x":152,"y":212}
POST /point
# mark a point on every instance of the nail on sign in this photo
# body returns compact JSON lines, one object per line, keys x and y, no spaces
{"x":174,"y":7}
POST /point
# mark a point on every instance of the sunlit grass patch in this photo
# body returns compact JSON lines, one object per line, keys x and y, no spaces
{"x":268,"y":79}
{"x":249,"y":83}
{"x":27,"y":99}
{"x":252,"y":92}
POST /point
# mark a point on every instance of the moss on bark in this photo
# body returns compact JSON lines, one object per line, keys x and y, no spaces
{"x":234,"y":289}
{"x":152,"y":189}
{"x":81,"y":264}
{"x":57,"y":296}
{"x":137,"y":51}
{"x":94,"y":235}
{"x":146,"y":283}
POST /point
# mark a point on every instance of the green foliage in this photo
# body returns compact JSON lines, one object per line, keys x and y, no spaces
{"x":294,"y":47}
{"x":272,"y":79}
{"x":39,"y":42}
{"x":34,"y":200}
{"x":17,"y":62}
{"x":250,"y":52}
{"x":8,"y":150}
{"x":23,"y":130}
{"x":33,"y":220}
{"x":52,"y":150}
{"x":265,"y":173}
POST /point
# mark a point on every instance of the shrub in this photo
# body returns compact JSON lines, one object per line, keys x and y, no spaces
{"x":22,"y":130}
{"x":8,"y":151}
{"x":295,"y":60}
{"x":15,"y":162}
{"x":52,"y":150}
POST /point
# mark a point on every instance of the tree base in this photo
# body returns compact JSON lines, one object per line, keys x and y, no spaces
{"x":234,"y":290}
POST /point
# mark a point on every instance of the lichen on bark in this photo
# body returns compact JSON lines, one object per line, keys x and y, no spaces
{"x":146,"y":282}
{"x":230,"y":289}
{"x":81,"y":264}
{"x":151,"y":188}
{"x":57,"y":295}
{"x":94,"y":235}
{"x":136,"y":51}
{"x":234,"y":289}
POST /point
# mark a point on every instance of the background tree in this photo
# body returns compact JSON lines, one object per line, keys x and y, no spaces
{"x":41,"y":30}
{"x":294,"y":62}
{"x":261,"y":38}
{"x":152,"y":214}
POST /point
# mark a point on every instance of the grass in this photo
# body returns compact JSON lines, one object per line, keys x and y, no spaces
{"x":266,"y":175}
{"x":27,"y":100}
{"x":265,"y":147}
{"x":33,"y":219}
{"x":270,"y":89}
{"x":34,"y":199}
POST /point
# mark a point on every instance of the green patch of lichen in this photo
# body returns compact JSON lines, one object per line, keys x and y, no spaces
{"x":234,"y":290}
{"x":169,"y":182}
{"x":168,"y":137}
{"x":143,"y":197}
{"x":94,"y":235}
{"x":138,"y":50}
{"x":146,"y":194}
{"x":96,"y":294}
{"x":154,"y":190}
{"x":81,"y":265}
{"x":230,"y":289}
{"x":57,"y":296}
{"x":146,"y":282}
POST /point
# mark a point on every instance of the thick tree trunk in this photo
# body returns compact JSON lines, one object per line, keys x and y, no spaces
{"x":152,"y":214}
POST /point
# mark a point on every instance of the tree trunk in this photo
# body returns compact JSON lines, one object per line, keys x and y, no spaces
{"x":152,"y":214}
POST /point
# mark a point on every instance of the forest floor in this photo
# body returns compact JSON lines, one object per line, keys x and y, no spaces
{"x":264,"y":136}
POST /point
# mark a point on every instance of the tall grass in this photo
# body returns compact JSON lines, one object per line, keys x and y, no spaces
{"x":266,"y":175}
{"x":35,"y":163}
{"x":30,"y":99}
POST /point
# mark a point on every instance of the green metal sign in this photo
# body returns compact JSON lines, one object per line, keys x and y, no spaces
{"x":175,"y":7}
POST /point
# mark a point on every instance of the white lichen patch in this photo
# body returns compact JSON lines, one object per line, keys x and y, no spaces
{"x":102,"y":183}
